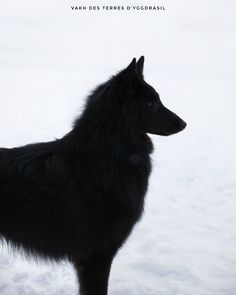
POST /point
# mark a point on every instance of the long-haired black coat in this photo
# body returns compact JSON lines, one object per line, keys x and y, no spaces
{"x":79,"y":197}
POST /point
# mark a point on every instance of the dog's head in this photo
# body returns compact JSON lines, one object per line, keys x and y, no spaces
{"x":139,"y":97}
{"x":127,"y":99}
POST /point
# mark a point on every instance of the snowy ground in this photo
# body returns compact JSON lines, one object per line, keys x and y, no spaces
{"x":50,"y":57}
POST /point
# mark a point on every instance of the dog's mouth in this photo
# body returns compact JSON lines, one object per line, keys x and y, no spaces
{"x":175,"y":130}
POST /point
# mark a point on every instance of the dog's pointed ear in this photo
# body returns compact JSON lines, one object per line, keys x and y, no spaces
{"x":132,"y":67}
{"x":140,"y":65}
{"x":129,"y":72}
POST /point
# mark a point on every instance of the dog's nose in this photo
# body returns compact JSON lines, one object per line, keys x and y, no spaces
{"x":183,"y":125}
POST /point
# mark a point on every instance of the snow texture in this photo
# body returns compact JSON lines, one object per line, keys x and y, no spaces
{"x":51,"y":57}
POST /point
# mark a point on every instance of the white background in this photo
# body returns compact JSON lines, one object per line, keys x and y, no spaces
{"x":50,"y":59}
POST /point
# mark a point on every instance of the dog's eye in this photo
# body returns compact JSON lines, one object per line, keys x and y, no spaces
{"x":150,"y":104}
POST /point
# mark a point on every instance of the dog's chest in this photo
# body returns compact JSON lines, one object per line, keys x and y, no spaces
{"x":127,"y":195}
{"x":131,"y":181}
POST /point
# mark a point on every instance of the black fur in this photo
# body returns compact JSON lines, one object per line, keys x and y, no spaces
{"x":79,"y":197}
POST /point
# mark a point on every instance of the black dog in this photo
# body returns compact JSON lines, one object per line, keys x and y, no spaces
{"x":79,"y":197}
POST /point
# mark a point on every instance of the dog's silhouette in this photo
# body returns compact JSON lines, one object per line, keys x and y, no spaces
{"x":79,"y":197}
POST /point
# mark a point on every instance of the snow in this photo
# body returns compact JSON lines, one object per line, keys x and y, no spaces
{"x":51,"y":57}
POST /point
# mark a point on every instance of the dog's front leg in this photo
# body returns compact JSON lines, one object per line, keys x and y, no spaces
{"x":93,"y":275}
